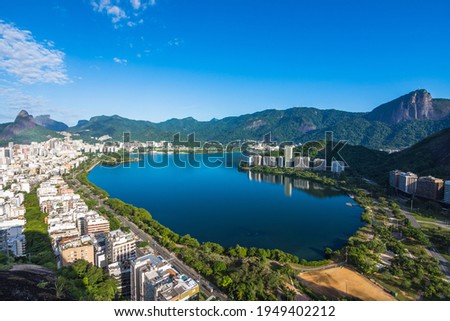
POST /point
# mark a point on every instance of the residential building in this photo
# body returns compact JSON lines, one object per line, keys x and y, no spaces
{"x":120,"y":271}
{"x":99,"y":242}
{"x":269,"y":161}
{"x":138,"y":268}
{"x":394,"y":176}
{"x":154,"y":279}
{"x":288,"y":155}
{"x":280,"y":161}
{"x":320,"y":164}
{"x":96,"y":224}
{"x":301,"y":162}
{"x":337,"y":166}
{"x":75,"y":249}
{"x":430,"y":187}
{"x":17,"y":245}
{"x":12,"y":238}
{"x":407,"y":182}
{"x":120,"y":246}
{"x":255,"y":160}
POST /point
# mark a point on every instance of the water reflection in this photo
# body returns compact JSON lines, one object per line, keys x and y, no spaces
{"x":290,"y":183}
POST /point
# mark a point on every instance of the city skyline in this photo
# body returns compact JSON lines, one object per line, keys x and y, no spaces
{"x":156,"y":59}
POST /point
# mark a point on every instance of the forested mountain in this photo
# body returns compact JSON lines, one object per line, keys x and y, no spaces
{"x":394,"y":125}
{"x":430,"y":156}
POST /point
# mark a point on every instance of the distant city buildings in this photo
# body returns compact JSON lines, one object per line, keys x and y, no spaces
{"x":297,"y":162}
{"x":280,"y":161}
{"x":269,"y":161}
{"x":24,"y":166}
{"x":255,"y":160}
{"x":263,"y":156}
{"x":301,"y":162}
{"x":320,"y":164}
{"x":289,"y":155}
{"x":337,"y":166}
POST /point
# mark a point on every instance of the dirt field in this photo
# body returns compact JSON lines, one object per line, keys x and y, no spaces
{"x":341,"y":282}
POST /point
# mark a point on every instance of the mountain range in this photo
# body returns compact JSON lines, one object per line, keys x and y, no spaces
{"x":394,"y":125}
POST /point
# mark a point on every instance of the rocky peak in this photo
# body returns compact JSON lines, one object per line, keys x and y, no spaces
{"x":23,"y":115}
{"x":24,"y":121}
{"x":417,"y":105}
{"x":47,"y":122}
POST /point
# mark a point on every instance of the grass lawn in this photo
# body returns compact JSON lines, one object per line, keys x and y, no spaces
{"x":434,"y":218}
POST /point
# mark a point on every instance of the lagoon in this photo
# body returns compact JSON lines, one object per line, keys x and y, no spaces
{"x":230,"y":207}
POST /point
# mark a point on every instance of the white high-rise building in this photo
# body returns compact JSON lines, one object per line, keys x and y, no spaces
{"x":280,"y":161}
{"x":120,"y":246}
{"x":337,"y":166}
{"x":301,"y":162}
{"x":154,"y":279}
{"x":407,"y":182}
{"x":288,"y":155}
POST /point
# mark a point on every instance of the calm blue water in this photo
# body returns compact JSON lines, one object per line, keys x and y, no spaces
{"x":229,"y":207}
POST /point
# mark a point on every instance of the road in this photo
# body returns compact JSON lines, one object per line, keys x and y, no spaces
{"x":443,"y":263}
{"x":411,"y":218}
{"x":440,"y":224}
{"x":33,"y":268}
{"x":176,"y":262}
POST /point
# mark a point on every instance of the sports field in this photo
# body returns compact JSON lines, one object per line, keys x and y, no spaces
{"x":342,"y":282}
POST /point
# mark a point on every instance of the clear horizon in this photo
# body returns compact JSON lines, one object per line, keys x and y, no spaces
{"x":157,"y":59}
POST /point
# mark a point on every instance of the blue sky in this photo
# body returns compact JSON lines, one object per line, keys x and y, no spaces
{"x":161,"y":59}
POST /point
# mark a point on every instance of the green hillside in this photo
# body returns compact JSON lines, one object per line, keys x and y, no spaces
{"x":430,"y":156}
{"x":295,"y":124}
{"x":394,"y":125}
{"x":36,"y":134}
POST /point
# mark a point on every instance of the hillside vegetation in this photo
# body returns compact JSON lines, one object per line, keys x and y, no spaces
{"x":430,"y":156}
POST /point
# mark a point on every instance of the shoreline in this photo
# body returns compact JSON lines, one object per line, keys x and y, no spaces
{"x":328,"y":186}
{"x":93,"y":166}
